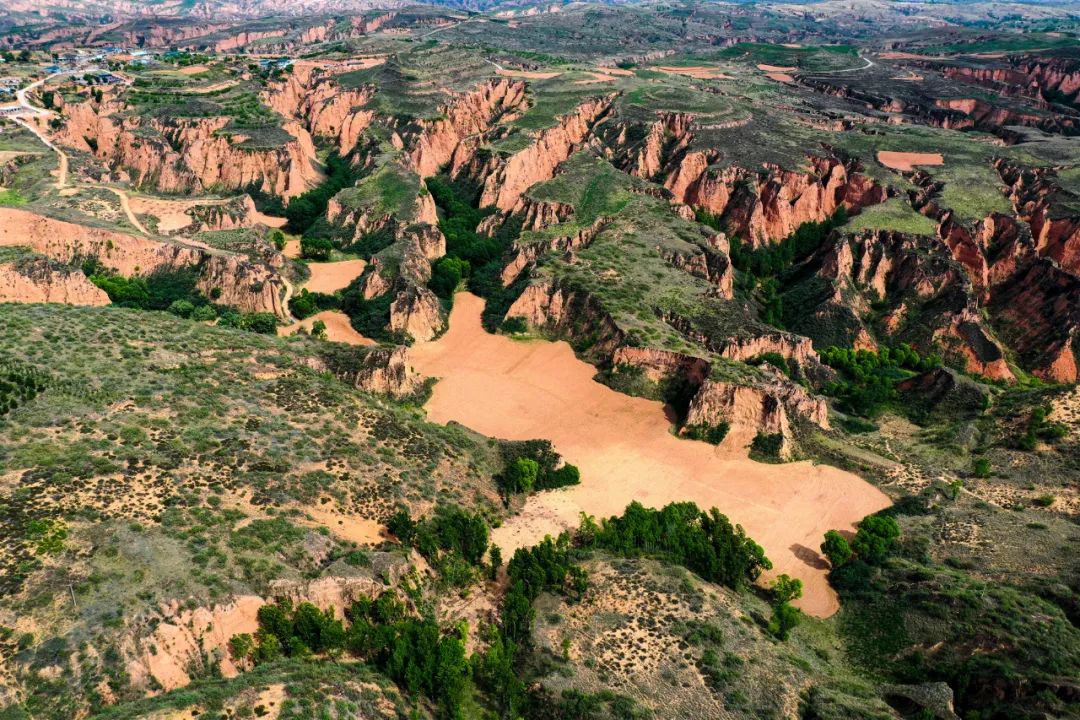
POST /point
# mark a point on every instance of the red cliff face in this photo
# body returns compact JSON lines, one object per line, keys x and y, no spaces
{"x":323,"y":107}
{"x":39,"y":281}
{"x":453,"y":138}
{"x":510,"y":178}
{"x":1043,"y":79}
{"x":186,"y":155}
{"x":243,"y":284}
{"x":1041,"y":202}
{"x":769,"y":205}
{"x":915,"y":276}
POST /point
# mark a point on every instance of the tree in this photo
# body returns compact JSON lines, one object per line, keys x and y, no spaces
{"x":446,"y":275}
{"x":495,"y":558}
{"x":785,"y":589}
{"x":981,"y":468}
{"x":318,"y":329}
{"x":315,"y":248}
{"x":836,"y":548}
{"x":875,"y":538}
{"x":520,"y":476}
{"x":278,"y":239}
{"x":518,"y":614}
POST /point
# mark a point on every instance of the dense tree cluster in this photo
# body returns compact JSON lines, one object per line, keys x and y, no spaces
{"x":413,"y":652}
{"x":705,"y":542}
{"x":763,"y":266}
{"x":868,"y":379}
{"x":306,"y":208}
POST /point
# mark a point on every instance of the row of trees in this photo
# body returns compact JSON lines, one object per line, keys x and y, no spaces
{"x":705,"y":542}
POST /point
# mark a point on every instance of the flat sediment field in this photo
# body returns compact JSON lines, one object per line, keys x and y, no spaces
{"x":624,"y":447}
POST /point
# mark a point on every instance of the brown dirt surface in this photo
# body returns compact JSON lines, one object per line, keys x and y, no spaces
{"x":626,"y":451}
{"x":193,"y":69}
{"x":528,"y":74}
{"x":906,"y":161}
{"x":698,"y":72}
{"x":776,"y":68}
{"x":338,"y":328}
{"x":329,"y":277}
{"x":597,"y":77}
{"x":292,"y":249}
{"x":780,"y":77}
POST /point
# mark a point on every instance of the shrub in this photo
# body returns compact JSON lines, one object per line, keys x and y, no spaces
{"x":981,"y":468}
{"x":712,"y":434}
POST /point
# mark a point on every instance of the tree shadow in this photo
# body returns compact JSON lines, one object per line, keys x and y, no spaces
{"x":809,"y":556}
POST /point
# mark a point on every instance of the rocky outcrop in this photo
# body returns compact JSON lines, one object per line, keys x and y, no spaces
{"x":1046,"y":80}
{"x":770,"y":204}
{"x":380,"y":370}
{"x":665,"y":138}
{"x":565,"y":312}
{"x":416,"y":313}
{"x":1052,"y":212}
{"x":510,"y":178}
{"x":947,"y":391}
{"x":662,"y":364}
{"x":524,"y":253}
{"x":322,"y":106}
{"x":41,"y":281}
{"x":190,"y":155}
{"x":753,"y":410}
{"x":912,"y":275}
{"x":237,"y":281}
{"x":453,"y":137}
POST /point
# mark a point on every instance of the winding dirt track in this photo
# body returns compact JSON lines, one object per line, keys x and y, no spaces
{"x":625,"y":450}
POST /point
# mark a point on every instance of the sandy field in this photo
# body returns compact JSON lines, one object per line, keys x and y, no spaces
{"x":910,"y":77}
{"x":527,"y":74}
{"x":616,"y":71}
{"x":698,"y":72}
{"x":338,"y":328}
{"x":626,"y":451}
{"x":906,"y":161}
{"x":891,"y":55}
{"x":776,"y":68}
{"x":193,"y":69}
{"x":780,"y":77}
{"x":597,"y":77}
{"x":328,"y":277}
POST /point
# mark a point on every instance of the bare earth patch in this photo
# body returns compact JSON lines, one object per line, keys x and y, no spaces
{"x":597,"y":78}
{"x":776,"y":68}
{"x":338,"y":328}
{"x":698,"y":72}
{"x":906,"y":161}
{"x":626,"y":451}
{"x":780,"y":77}
{"x":528,"y":74}
{"x":328,"y":277}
